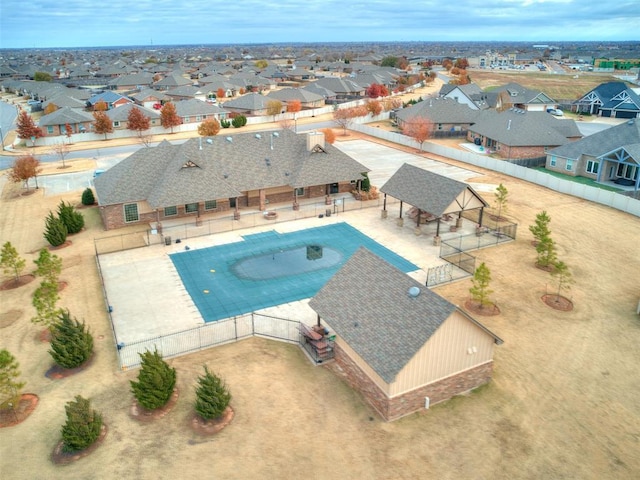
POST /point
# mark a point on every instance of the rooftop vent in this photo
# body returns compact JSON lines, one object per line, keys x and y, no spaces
{"x":258,"y":136}
{"x":209,"y":141}
{"x":414,"y":292}
{"x":267,"y":162}
{"x":229,"y":139}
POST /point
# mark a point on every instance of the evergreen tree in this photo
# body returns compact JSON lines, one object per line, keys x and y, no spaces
{"x":563,"y":277}
{"x":71,"y":342}
{"x":48,"y":266}
{"x":73,"y":220}
{"x":540,"y":229}
{"x":9,"y":386}
{"x":11,"y":262}
{"x":44,"y":300}
{"x":501,"y":195}
{"x":480,"y":289}
{"x":55,"y":231}
{"x":87,"y":197}
{"x":212,"y":396}
{"x":546,"y":250}
{"x":156,"y":381}
{"x":365,"y":184}
{"x":82,"y":427}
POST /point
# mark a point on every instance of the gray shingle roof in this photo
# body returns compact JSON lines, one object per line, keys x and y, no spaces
{"x":289,"y":94}
{"x":367,"y":304}
{"x":521,"y":128}
{"x":601,"y":143}
{"x":439,"y":110}
{"x":193,"y":106}
{"x":65,"y":115}
{"x":425,"y":190}
{"x":121,"y":114}
{"x":224,"y":169}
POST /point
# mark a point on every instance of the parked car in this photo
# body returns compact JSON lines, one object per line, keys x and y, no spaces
{"x":555,"y":111}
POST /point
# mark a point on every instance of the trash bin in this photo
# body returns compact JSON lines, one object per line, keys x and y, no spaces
{"x":328,"y":212}
{"x":167,"y":240}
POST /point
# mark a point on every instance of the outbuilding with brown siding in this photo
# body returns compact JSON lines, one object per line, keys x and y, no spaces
{"x":402,"y":346}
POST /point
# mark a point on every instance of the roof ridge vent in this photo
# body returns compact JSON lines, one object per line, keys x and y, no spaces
{"x":414,"y":291}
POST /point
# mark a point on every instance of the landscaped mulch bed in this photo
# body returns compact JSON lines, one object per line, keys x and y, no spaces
{"x":477,"y":308}
{"x":13,"y":283}
{"x":558,"y":302}
{"x":14,"y":416}
{"x":141,"y":414}
{"x":213,"y":426}
{"x":63,"y":458}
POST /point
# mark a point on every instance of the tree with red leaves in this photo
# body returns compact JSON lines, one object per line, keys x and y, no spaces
{"x":23,"y":169}
{"x":374,"y":107}
{"x":220,"y":93}
{"x":169,"y":117}
{"x":329,"y":135}
{"x":26,"y":128}
{"x":419,"y":129}
{"x":376,"y":90}
{"x":102,"y":124}
{"x":137,"y":122}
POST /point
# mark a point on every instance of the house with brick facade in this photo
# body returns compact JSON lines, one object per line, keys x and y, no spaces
{"x":520,"y":134}
{"x":223,"y":174}
{"x":447,"y":116}
{"x":402,"y":346}
{"x":54,"y":124}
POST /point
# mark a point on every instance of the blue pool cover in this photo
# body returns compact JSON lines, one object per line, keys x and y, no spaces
{"x":268,"y":269}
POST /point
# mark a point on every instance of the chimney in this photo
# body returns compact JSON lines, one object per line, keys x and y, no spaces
{"x":313,"y":139}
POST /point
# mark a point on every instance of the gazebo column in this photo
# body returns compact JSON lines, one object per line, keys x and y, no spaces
{"x":383,"y":213}
{"x":296,"y":205}
{"x":263,"y":200}
{"x":236,"y":212}
{"x":400,"y":220}
{"x":481,"y":215}
{"x":459,"y":220}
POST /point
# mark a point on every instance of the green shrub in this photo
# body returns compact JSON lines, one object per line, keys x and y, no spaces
{"x":82,"y":427}
{"x":87,"y":197}
{"x":71,"y":342}
{"x":239,"y":121}
{"x":225,"y":123}
{"x":55,"y":231}
{"x":212,"y":396}
{"x":156,"y":381}
{"x":72,"y":219}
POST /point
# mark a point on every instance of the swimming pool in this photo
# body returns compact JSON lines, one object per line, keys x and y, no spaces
{"x":270,"y":268}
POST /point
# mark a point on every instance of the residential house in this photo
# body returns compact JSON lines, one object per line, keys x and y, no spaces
{"x":518,"y":134}
{"x":133,"y":81}
{"x":249,"y":104}
{"x":196,"y":111}
{"x":514,"y":95}
{"x":306,"y":98}
{"x":400,"y":345}
{"x":187,"y":92}
{"x":172,"y":80}
{"x":120,"y":116}
{"x":470,"y":95}
{"x":448,"y":117}
{"x":223,"y":174}
{"x":54,"y":124}
{"x":344,"y":88}
{"x":111,"y":99}
{"x":611,"y":99}
{"x":611,"y":155}
{"x":150,"y":98}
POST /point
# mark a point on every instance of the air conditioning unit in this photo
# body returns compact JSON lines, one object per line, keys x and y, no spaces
{"x":426,"y":402}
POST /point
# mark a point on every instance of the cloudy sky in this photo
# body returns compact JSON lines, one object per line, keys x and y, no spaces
{"x":82,"y":23}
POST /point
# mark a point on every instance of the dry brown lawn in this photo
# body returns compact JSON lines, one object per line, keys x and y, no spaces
{"x":556,"y":86}
{"x":564,"y":401}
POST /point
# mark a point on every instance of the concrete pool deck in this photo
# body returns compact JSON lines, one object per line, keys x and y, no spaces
{"x":147,"y":296}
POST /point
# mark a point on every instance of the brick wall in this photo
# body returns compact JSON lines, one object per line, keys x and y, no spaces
{"x":407,"y":403}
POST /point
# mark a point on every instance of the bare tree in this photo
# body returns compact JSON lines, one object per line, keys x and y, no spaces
{"x":61,"y":149}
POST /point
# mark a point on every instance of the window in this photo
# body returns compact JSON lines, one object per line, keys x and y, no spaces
{"x":198,"y":118}
{"x":191,"y":207}
{"x":592,"y":166}
{"x":439,"y":126}
{"x":186,"y":120}
{"x":169,"y":211}
{"x":49,"y":128}
{"x":300,"y":192}
{"x":569,"y":165}
{"x":210,"y":205}
{"x":131,"y":212}
{"x":552,"y":162}
{"x":116,"y":123}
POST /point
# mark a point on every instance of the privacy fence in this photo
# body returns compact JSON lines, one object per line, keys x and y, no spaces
{"x":598,"y":195}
